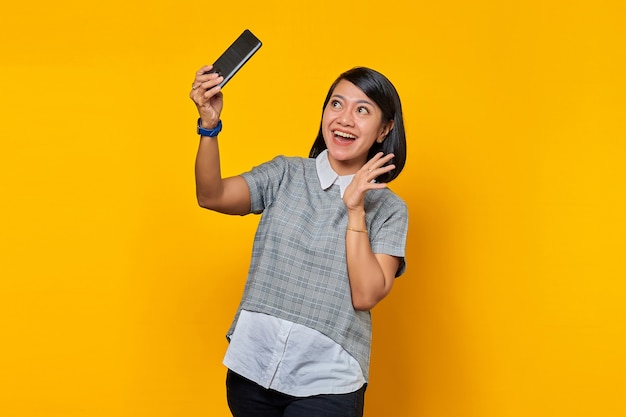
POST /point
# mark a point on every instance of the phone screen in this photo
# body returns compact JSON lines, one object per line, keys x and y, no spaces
{"x":236,"y":56}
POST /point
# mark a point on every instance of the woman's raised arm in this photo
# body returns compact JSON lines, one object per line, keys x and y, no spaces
{"x":225,"y":195}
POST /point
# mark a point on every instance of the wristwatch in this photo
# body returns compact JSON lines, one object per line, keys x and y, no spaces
{"x":209,"y":132}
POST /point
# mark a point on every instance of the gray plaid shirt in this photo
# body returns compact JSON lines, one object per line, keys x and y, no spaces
{"x":298,"y":269}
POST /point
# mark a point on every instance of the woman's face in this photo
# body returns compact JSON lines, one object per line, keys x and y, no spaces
{"x":351,"y":123}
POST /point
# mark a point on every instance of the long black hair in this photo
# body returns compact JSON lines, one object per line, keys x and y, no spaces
{"x":378,"y":88}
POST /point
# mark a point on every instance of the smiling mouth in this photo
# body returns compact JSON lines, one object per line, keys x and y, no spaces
{"x":343,"y":135}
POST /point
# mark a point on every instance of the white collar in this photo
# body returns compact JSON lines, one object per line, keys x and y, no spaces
{"x":328,"y":176}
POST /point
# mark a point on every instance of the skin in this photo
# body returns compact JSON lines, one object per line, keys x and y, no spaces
{"x":349,"y":112}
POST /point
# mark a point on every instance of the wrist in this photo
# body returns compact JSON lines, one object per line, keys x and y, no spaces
{"x":207,"y":130}
{"x":356,"y":214}
{"x":208,"y":122}
{"x":356,"y":220}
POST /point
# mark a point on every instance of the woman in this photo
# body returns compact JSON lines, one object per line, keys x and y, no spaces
{"x":328,"y":247}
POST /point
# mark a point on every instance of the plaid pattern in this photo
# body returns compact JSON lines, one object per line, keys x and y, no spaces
{"x":298,"y":269}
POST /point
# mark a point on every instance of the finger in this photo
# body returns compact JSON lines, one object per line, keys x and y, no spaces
{"x":212,"y":90}
{"x":206,"y":82}
{"x":377,"y":161}
{"x":204,"y":69}
{"x":384,"y":159}
{"x":203,"y":98}
{"x":375,"y":173}
{"x":380,"y":158}
{"x":203,"y":75}
{"x":381,"y":169}
{"x":198,"y":78}
{"x":207,"y":85}
{"x":215,"y":92}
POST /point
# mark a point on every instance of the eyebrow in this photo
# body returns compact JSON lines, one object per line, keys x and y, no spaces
{"x":363,"y":101}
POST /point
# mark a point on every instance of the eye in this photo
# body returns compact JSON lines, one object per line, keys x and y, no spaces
{"x":335,"y":104}
{"x":363,"y":110}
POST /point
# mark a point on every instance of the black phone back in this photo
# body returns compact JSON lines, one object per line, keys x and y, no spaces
{"x":237,"y":54}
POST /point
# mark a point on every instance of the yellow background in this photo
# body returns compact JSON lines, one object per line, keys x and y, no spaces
{"x":116,"y":289}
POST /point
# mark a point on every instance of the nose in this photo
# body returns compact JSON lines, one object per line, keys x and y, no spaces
{"x":345,"y":118}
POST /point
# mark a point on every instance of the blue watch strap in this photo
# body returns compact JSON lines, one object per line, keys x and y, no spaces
{"x":209,"y":132}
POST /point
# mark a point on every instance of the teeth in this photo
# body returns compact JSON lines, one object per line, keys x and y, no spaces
{"x":344,"y":135}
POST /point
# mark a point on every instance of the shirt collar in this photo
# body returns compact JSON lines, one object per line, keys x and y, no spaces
{"x":328,"y":176}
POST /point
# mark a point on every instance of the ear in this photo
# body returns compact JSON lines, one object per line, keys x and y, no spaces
{"x":385,"y":131}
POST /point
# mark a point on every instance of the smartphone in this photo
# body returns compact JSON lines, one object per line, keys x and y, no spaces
{"x":236,"y":56}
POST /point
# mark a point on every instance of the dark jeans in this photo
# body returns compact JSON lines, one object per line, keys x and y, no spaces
{"x":248,"y":399}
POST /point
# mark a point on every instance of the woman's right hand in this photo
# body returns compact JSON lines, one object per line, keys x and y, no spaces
{"x":207,"y":96}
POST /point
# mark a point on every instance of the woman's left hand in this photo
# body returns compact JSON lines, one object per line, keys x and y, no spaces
{"x":354,"y":196}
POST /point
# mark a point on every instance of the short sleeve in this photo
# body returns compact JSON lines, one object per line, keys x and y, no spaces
{"x":264,"y":182}
{"x":388,"y":232}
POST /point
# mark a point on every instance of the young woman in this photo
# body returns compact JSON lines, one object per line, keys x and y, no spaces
{"x":330,"y":242}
